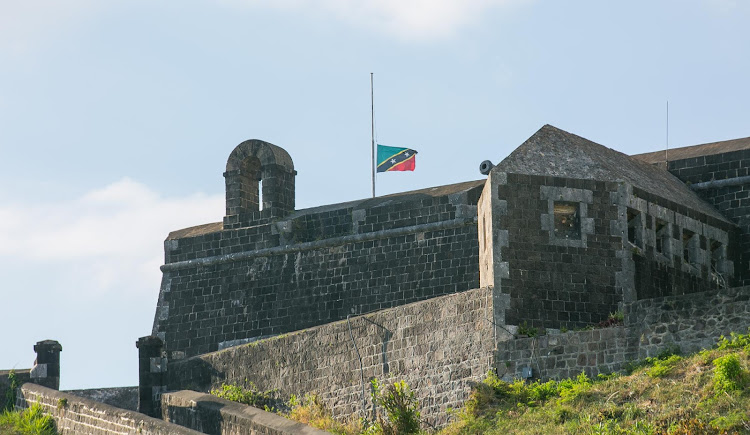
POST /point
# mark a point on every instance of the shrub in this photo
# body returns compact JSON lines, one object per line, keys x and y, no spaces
{"x":663,"y":367}
{"x":29,"y":421}
{"x":10,"y":395}
{"x":735,"y":341}
{"x":311,"y":411}
{"x":400,"y":405}
{"x":572,"y":389}
{"x":728,"y":374}
{"x":525,"y":329}
{"x":266,"y":400}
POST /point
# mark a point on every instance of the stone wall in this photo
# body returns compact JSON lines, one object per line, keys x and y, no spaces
{"x":212,"y":415}
{"x":439,"y":347}
{"x":316,"y":266}
{"x":556,"y":280}
{"x":80,"y":416}
{"x":692,"y":322}
{"x":710,"y":176}
{"x":568,"y":252}
{"x":559,"y":356}
{"x":670,"y":249}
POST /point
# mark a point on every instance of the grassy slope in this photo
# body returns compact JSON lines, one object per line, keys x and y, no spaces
{"x":663,"y":395}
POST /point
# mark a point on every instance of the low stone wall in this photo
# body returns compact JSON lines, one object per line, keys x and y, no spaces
{"x":212,"y":415}
{"x":692,"y":322}
{"x":558,"y":356}
{"x":77,"y":415}
{"x":439,"y":347}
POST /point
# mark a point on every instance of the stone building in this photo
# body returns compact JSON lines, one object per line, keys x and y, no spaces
{"x":564,"y":229}
{"x":434,"y":286}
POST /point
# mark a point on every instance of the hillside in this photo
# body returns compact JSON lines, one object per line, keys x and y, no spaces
{"x":704,"y":393}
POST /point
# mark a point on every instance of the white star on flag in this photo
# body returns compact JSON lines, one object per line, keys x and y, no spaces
{"x":393,"y":160}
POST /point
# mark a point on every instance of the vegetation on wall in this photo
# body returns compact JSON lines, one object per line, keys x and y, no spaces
{"x":397,"y":409}
{"x":10,"y":395}
{"x":705,"y":393}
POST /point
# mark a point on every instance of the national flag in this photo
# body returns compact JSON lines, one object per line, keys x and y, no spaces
{"x":395,"y":159}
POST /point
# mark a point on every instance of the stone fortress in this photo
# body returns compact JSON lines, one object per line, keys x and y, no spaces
{"x":438,"y":286}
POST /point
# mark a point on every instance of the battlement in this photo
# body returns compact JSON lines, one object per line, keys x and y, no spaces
{"x":266,"y":272}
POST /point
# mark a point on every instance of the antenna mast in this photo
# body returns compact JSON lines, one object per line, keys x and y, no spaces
{"x":666,"y":151}
{"x":372,"y":123}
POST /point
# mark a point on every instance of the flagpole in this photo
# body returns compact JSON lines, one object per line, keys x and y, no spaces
{"x":372,"y":123}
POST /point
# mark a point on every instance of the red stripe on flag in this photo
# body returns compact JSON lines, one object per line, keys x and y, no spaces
{"x":406,"y":165}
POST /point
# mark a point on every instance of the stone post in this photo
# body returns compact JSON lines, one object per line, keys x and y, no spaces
{"x":46,"y":370}
{"x":152,"y":367}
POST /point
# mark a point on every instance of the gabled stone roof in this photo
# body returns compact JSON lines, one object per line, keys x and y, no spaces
{"x":554,"y":152}
{"x":706,"y":149}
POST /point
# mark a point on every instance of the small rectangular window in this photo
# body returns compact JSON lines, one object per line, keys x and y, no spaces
{"x":567,"y":220}
{"x":634,"y":232}
{"x":662,"y":236}
{"x":687,"y":236}
{"x":717,"y":254}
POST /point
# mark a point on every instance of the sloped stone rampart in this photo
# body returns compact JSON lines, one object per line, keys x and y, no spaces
{"x":80,"y":416}
{"x":212,"y":415}
{"x":439,"y":347}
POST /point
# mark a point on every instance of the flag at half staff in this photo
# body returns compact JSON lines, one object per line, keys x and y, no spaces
{"x":395,"y":159}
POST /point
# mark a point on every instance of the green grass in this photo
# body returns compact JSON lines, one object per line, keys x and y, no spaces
{"x":705,"y":393}
{"x":28,"y":422}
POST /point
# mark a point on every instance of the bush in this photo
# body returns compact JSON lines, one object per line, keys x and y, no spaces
{"x":311,"y":411}
{"x":266,"y":400}
{"x":28,"y":422}
{"x":735,"y":341}
{"x":728,"y":374}
{"x":572,"y":389}
{"x":663,"y":367}
{"x":400,"y":405}
{"x":10,"y":395}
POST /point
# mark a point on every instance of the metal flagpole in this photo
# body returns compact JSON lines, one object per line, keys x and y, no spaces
{"x":372,"y":123}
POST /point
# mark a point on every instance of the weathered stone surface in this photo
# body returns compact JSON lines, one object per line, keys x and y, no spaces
{"x":119,"y":397}
{"x":317,"y":266}
{"x":212,"y":415}
{"x":77,"y":415}
{"x":439,"y":347}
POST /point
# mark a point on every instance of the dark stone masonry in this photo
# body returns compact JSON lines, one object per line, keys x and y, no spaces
{"x":435,"y":286}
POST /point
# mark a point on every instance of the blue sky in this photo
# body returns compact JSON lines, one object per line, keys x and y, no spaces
{"x":117,"y":117}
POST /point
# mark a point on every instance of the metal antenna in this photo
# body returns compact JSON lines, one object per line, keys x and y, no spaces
{"x":666,"y":151}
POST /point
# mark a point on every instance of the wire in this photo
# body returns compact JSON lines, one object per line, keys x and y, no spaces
{"x":361,"y":370}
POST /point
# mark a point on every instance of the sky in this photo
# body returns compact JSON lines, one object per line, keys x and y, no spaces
{"x":117,"y":117}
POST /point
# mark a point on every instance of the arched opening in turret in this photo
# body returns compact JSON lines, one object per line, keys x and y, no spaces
{"x":259,"y":182}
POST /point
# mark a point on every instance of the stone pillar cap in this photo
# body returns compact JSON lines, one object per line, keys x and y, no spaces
{"x":149,"y":340}
{"x":48,"y":345}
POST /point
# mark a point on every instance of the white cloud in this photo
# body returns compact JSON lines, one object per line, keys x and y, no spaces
{"x":405,"y":19}
{"x":109,"y":239}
